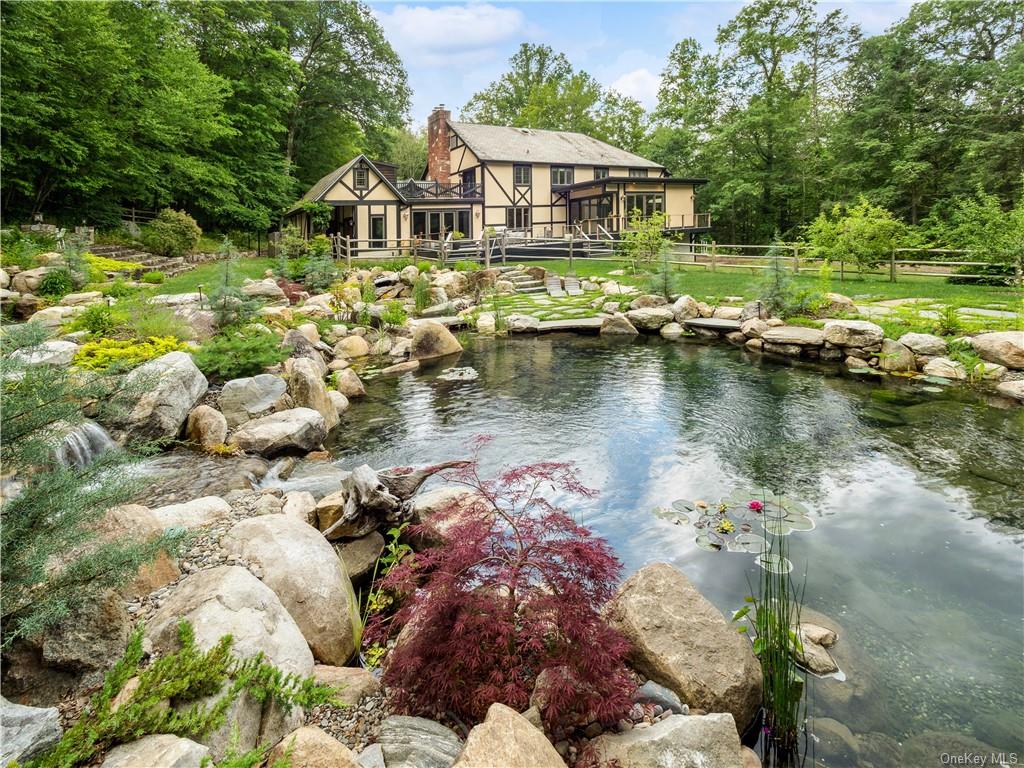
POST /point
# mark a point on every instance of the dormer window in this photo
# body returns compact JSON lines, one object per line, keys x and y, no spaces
{"x":361,"y":177}
{"x":522,"y":175}
{"x":638,"y":173}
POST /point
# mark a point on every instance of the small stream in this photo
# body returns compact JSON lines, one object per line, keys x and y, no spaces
{"x":917,"y":498}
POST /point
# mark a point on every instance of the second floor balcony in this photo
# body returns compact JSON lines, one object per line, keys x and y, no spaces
{"x":412,"y":189}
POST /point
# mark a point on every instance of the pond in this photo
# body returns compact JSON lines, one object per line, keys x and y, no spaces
{"x":917,"y":498}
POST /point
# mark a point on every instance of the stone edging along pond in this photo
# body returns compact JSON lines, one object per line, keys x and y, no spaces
{"x":858,"y":345}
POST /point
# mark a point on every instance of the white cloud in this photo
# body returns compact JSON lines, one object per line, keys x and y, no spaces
{"x":641,"y":84}
{"x":440,"y":36}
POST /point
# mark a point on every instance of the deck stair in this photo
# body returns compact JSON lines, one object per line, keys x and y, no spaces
{"x":522,"y":281}
{"x":169,"y":265}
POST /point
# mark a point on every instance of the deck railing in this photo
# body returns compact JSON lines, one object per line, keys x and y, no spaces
{"x":436,"y":190}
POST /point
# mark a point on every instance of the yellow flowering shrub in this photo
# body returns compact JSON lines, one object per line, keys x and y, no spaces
{"x":110,"y":265}
{"x":107,"y":353}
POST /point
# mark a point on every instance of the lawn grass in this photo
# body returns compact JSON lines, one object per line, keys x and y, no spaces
{"x":545,"y":307}
{"x":208,"y":275}
{"x":706,"y":285}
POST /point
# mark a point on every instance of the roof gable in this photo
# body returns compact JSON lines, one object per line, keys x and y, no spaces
{"x":533,"y":145}
{"x":319,"y":190}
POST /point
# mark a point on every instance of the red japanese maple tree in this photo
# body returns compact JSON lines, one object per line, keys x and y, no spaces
{"x":515,"y":590}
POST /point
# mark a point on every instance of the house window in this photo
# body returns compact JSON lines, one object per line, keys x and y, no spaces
{"x":517,"y":218}
{"x":600,"y":173}
{"x":376,"y":231}
{"x":522,"y":175}
{"x":430,"y":224}
{"x":453,"y":141}
{"x":561,"y":175}
{"x":638,"y":173}
{"x":645,"y":203}
{"x":361,"y":178}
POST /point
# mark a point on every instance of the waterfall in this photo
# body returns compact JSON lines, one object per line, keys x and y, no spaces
{"x":82,"y":444}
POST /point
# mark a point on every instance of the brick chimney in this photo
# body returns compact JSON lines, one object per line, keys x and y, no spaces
{"x":439,"y":160}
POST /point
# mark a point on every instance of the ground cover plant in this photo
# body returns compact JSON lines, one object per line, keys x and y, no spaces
{"x":184,"y":677}
{"x":515,"y":592}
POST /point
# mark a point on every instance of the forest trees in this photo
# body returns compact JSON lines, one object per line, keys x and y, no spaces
{"x":224,"y":109}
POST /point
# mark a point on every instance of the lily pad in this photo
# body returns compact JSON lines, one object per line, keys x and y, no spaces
{"x":683,"y":505}
{"x":940,"y":380}
{"x":748,"y":542}
{"x":710,"y":541}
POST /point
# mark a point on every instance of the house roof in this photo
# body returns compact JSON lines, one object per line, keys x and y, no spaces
{"x":670,"y":180}
{"x":505,"y":143}
{"x":323,"y":186}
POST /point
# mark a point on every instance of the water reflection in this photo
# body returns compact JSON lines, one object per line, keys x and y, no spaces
{"x":918,"y":498}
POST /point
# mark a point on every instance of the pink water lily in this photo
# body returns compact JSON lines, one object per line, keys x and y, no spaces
{"x":757,"y":506}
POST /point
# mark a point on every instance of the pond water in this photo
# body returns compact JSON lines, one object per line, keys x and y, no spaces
{"x":917,"y":498}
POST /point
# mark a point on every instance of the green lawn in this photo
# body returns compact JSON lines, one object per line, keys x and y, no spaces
{"x":715,"y":285}
{"x":210,"y":274}
{"x":545,"y":307}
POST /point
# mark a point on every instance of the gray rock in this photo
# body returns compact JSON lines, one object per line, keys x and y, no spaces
{"x":249,"y":398}
{"x":728,"y":313}
{"x":794,"y":334}
{"x":678,"y":740}
{"x":297,"y":429}
{"x":158,"y":396}
{"x":753,"y":310}
{"x":348,"y":382}
{"x":618,"y":325}
{"x":264,"y":289}
{"x":1004,"y":348}
{"x":53,"y":352}
{"x":161,"y":750}
{"x":651,"y":318}
{"x":647,"y":301}
{"x":945,"y":368}
{"x":753,"y":328}
{"x":192,"y":514}
{"x":415,"y":742}
{"x":1014,"y":389}
{"x":431,"y":340}
{"x":671,"y":331}
{"x":206,"y":426}
{"x":659,"y":694}
{"x":301,"y":347}
{"x":372,"y":757}
{"x":924,"y":344}
{"x":896,"y":357}
{"x":27,"y":731}
{"x":519,"y":323}
{"x":308,"y":577}
{"x":306,"y":386}
{"x":685,"y":308}
{"x":683,"y":642}
{"x":852,"y":333}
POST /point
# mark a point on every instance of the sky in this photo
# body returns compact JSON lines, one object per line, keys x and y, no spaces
{"x":453,"y":50}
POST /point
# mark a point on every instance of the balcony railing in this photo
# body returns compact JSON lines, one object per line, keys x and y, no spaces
{"x":436,"y":190}
{"x":671,"y":221}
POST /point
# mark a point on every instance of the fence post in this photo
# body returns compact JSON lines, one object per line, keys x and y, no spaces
{"x":842,"y":271}
{"x":796,"y":260}
{"x":487,"y":250}
{"x":892,"y":266}
{"x":502,"y":243}
{"x":348,"y":252}
{"x":570,"y":253}
{"x":714,"y":255}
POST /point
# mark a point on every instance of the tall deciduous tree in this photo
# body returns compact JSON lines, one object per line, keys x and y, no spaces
{"x":408,"y":151}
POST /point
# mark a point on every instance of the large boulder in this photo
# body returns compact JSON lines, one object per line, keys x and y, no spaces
{"x":206,"y":427}
{"x":793,"y":335}
{"x":53,"y":352}
{"x":196,"y":513}
{"x":27,"y":731}
{"x":508,"y":739}
{"x":310,"y":747}
{"x":683,"y":642}
{"x":158,"y":396}
{"x":520,"y":323}
{"x":229,"y":600}
{"x":302,"y":348}
{"x":1003,"y":347}
{"x":728,"y":313}
{"x":415,"y":742}
{"x":685,"y":308}
{"x":852,"y":333}
{"x":252,"y":397}
{"x":28,"y":280}
{"x":431,"y":339}
{"x":696,"y":741}
{"x":352,"y":684}
{"x":135,"y":522}
{"x":308,"y":577}
{"x":896,"y":357}
{"x":618,"y":325}
{"x":348,"y":383}
{"x":453,"y":283}
{"x":352,"y":346}
{"x":161,"y":750}
{"x":439,"y":509}
{"x":267,"y":289}
{"x":362,"y":504}
{"x":945,"y":368}
{"x":924,"y":344}
{"x":648,"y":300}
{"x":650,"y":318}
{"x":671,"y":331}
{"x":307,"y":388}
{"x":297,"y":429}
{"x":1013,"y":389}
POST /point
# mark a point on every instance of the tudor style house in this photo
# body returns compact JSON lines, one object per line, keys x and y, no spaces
{"x":535,"y":182}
